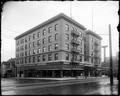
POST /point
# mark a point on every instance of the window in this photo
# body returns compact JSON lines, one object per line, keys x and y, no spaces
{"x":22,"y":41}
{"x":56,"y":27}
{"x":43,"y":57}
{"x":25,"y":39}
{"x":25,"y":60}
{"x":66,"y":27}
{"x":22,"y":61}
{"x":67,"y":36}
{"x":44,"y":31}
{"x":49,"y":57}
{"x":50,"y":39}
{"x":56,"y":46}
{"x":34,"y":51}
{"x":44,"y":40}
{"x":38,"y":42}
{"x":29,"y":59}
{"x":67,"y":56}
{"x":33,"y":44}
{"x":29,"y":45}
{"x":33,"y":36}
{"x":80,"y":58}
{"x":17,"y":49}
{"x":30,"y":52}
{"x":67,"y":46}
{"x":49,"y":29}
{"x":72,"y":28}
{"x":38,"y":34}
{"x":80,"y":50}
{"x":92,"y":60}
{"x":44,"y":49}
{"x":39,"y":50}
{"x":50,"y":48}
{"x":17,"y":42}
{"x":33,"y":59}
{"x":29,"y":38}
{"x":38,"y":58}
{"x":56,"y":56}
{"x":25,"y":46}
{"x":25,"y":53}
{"x":56,"y":36}
{"x":92,"y":39}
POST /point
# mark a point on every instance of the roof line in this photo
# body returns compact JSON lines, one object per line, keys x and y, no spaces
{"x":61,"y":15}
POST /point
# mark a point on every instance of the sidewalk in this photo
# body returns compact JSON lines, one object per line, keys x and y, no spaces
{"x":49,"y":81}
{"x":64,"y":78}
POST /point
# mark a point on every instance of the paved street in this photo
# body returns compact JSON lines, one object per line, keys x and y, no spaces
{"x":73,"y":86}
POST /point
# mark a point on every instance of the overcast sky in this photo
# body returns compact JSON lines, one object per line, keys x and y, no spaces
{"x":20,"y":16}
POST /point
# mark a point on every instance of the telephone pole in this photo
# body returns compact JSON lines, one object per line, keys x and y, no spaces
{"x":111,"y":67}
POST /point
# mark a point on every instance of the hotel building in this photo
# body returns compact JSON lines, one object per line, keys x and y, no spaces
{"x":55,"y":48}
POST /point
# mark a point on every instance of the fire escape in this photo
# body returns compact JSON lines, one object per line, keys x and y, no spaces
{"x":96,"y":54}
{"x":74,"y":43}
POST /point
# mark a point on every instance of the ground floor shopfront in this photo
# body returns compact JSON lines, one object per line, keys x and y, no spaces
{"x":56,"y":70}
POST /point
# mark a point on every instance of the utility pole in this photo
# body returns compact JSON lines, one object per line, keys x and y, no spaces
{"x":111,"y":67}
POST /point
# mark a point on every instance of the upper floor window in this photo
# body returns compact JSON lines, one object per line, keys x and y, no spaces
{"x":56,"y":46}
{"x":44,"y":40}
{"x":33,"y":44}
{"x":30,"y":52}
{"x":49,"y":57}
{"x":33,"y":36}
{"x":25,"y":39}
{"x":56,"y":56}
{"x":33,"y":59}
{"x":34,"y":51}
{"x":50,"y":39}
{"x":80,"y":58}
{"x":56,"y":27}
{"x":44,"y":49}
{"x":22,"y":41}
{"x":38,"y":58}
{"x":80,"y":50}
{"x":25,"y":53}
{"x":29,"y":59}
{"x":38,"y":34}
{"x":49,"y":29}
{"x":50,"y":48}
{"x":66,"y":27}
{"x":67,"y":36}
{"x":29,"y":45}
{"x":44,"y":31}
{"x":73,"y":28}
{"x":39,"y":50}
{"x":66,"y":46}
{"x":29,"y":38}
{"x":56,"y":36}
{"x":25,"y":60}
{"x":17,"y":42}
{"x":92,"y":39}
{"x":43,"y":57}
{"x":38,"y":42}
{"x":67,"y":56}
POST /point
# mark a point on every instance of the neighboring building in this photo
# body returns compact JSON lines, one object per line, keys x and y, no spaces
{"x":92,"y":51}
{"x":8,"y":68}
{"x":3,"y":69}
{"x":54,"y":48}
